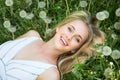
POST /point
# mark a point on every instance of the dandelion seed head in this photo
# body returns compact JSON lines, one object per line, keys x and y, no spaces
{"x":41,"y":4}
{"x":9,"y":2}
{"x":12,"y":29}
{"x":108,"y":72}
{"x":22,"y":14}
{"x":100,"y":16}
{"x":106,"y":13}
{"x":114,"y":36}
{"x":29,"y":2}
{"x":99,"y":49}
{"x":117,"y":12}
{"x":115,"y":54}
{"x":42,"y":14}
{"x":48,"y":31}
{"x":83,"y":3}
{"x":29,"y":16}
{"x":47,"y":20}
{"x":117,"y":25}
{"x":7,"y":24}
{"x":106,"y":51}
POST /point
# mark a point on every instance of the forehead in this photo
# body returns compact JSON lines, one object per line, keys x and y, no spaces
{"x":80,"y":27}
{"x":78,"y":24}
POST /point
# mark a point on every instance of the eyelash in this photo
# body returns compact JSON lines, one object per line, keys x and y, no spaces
{"x":77,"y":40}
{"x":69,"y":29}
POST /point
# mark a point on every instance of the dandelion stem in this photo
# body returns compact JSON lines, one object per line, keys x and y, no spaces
{"x":46,"y":30}
{"x":115,"y":62}
{"x":68,"y":10}
{"x":89,"y":6}
{"x":13,"y":36}
{"x":101,"y":61}
{"x":11,"y":10}
{"x":38,"y":4}
{"x":47,"y":4}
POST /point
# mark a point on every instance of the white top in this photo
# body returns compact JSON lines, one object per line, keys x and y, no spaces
{"x":19,"y":69}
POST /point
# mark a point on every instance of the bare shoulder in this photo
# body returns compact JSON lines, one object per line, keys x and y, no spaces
{"x":50,"y":74}
{"x":30,"y":33}
{"x":33,"y":33}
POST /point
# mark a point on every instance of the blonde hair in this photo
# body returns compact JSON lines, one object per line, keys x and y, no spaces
{"x":66,"y":61}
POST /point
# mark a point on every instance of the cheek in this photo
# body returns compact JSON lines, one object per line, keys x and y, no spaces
{"x":63,"y":29}
{"x":75,"y":45}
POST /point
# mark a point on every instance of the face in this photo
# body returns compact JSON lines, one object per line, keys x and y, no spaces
{"x":71,"y":36}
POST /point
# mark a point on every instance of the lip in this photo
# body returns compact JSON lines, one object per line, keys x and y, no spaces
{"x":63,"y":41}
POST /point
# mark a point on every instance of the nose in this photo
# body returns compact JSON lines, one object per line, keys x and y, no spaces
{"x":69,"y":37}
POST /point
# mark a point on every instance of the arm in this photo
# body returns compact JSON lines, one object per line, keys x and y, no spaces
{"x":49,"y":74}
{"x":31,"y":33}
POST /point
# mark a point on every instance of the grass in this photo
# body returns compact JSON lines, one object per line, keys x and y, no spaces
{"x":95,"y":67}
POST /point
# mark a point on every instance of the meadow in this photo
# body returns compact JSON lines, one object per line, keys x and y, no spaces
{"x":20,"y":16}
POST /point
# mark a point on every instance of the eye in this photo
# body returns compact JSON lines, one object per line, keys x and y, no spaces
{"x":70,"y":30}
{"x":77,"y":40}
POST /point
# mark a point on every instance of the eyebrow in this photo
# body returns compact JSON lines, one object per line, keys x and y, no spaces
{"x":74,"y":29}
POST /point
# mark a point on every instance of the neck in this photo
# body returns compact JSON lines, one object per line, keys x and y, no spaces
{"x":50,"y":52}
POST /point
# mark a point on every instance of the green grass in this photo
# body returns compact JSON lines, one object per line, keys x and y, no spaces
{"x":57,"y":10}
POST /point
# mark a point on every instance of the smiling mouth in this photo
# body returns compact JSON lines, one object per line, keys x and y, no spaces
{"x":63,"y":41}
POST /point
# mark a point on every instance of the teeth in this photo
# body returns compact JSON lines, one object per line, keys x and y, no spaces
{"x":64,"y":41}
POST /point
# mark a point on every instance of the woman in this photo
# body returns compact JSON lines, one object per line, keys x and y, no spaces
{"x":30,"y":58}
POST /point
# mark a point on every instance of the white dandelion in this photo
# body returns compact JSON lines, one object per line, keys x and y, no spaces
{"x":117,"y":25}
{"x":9,"y":2}
{"x":102,"y":15}
{"x":42,"y":14}
{"x":12,"y":29}
{"x":7,"y":24}
{"x":108,"y":72}
{"x":29,"y":16}
{"x":107,"y":51}
{"x":117,"y":12}
{"x":22,"y":13}
{"x":106,"y":13}
{"x":41,"y":4}
{"x":114,"y":36}
{"x":47,"y":20}
{"x":115,"y":54}
{"x":83,"y":3}
{"x":29,"y":2}
{"x":99,"y":49}
{"x":48,"y":32}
